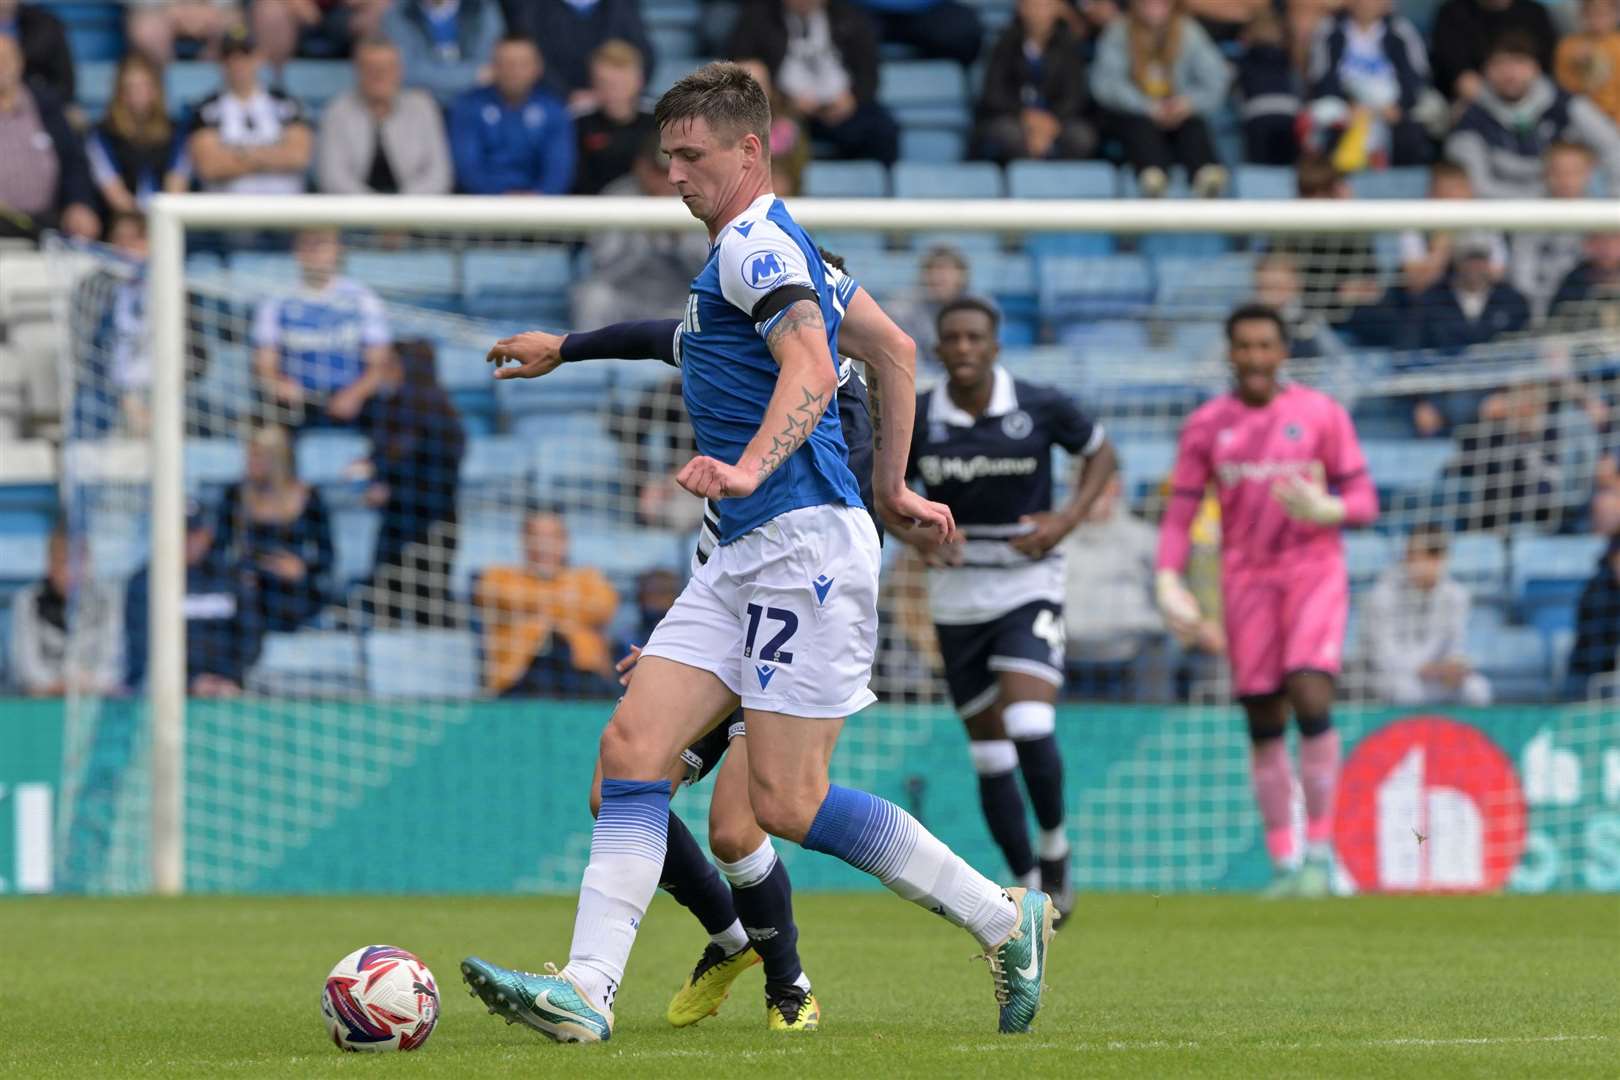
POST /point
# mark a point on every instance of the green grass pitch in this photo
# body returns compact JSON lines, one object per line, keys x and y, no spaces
{"x":1201,"y":986}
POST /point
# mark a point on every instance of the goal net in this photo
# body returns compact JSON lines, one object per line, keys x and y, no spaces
{"x":391,"y":590}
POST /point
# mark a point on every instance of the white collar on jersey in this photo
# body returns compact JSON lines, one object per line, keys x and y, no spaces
{"x":1003,"y":400}
{"x":754,"y":211}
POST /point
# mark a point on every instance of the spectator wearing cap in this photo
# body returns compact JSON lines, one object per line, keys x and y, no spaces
{"x":44,"y":177}
{"x":1464,"y":31}
{"x":1517,"y":113}
{"x":514,"y":137}
{"x":1414,"y":626}
{"x":614,"y":127}
{"x":223,"y":627}
{"x":47,"y":59}
{"x":571,"y":31}
{"x":1426,"y":256}
{"x":1035,"y":96}
{"x":1470,"y":306}
{"x":446,"y":45}
{"x":246,"y":139}
{"x":379,"y":139}
{"x":1597,"y":624}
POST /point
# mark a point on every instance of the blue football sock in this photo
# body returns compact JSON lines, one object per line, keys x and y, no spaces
{"x":764,"y":900}
{"x":692,"y":880}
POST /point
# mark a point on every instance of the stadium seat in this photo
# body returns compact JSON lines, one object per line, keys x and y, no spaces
{"x":28,"y":478}
{"x":924,"y":93}
{"x":309,"y":663}
{"x":1094,"y":287}
{"x":1479,"y":561}
{"x":933,"y":145}
{"x":495,"y":467}
{"x":95,"y":31}
{"x":973,"y":243}
{"x":187,"y":82}
{"x":1198,"y":341}
{"x":1405,"y":183}
{"x":1194,"y":245}
{"x":317,"y":82}
{"x":274,"y":267}
{"x":964,"y":180}
{"x":529,"y":284}
{"x":1144,"y":465}
{"x":1190,"y":287}
{"x":354,"y":540}
{"x":324,"y":455}
{"x":575,"y":463}
{"x":93,"y":82}
{"x":570,"y":388}
{"x":1514,"y":658}
{"x":885,"y":274}
{"x":669,"y":70}
{"x":846,"y":180}
{"x":1062,"y":180}
{"x":1405,"y":464}
{"x":486,"y":540}
{"x":1111,"y":335}
{"x":422,"y":664}
{"x":673,"y":41}
{"x":213,"y":462}
{"x":1368,"y":554}
{"x":405,"y":276}
{"x":22,"y":556}
{"x":853,"y":244}
{"x":1553,"y":558}
{"x":622,"y":552}
{"x":1264,"y":182}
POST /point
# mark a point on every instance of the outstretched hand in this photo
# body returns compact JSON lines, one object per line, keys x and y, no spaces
{"x":535,"y":353}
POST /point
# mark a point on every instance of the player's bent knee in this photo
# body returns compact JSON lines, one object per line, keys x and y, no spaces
{"x":732,"y":839}
{"x":785,"y":814}
{"x":1313,"y":724}
{"x":628,"y":752}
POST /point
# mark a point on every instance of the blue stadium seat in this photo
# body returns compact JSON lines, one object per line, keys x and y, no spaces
{"x":1094,"y":287}
{"x":1368,"y":554}
{"x":1198,"y":340}
{"x":95,"y":31}
{"x":671,"y":69}
{"x":485,"y":541}
{"x":322,"y":455}
{"x":93,"y":80}
{"x":354,"y":540}
{"x":928,"y":93}
{"x":934,"y":145}
{"x":1405,"y":183}
{"x":1106,"y":335}
{"x":974,"y":243}
{"x":186,"y":82}
{"x":308,"y":663}
{"x":1129,"y":189}
{"x":1553,"y":558}
{"x":531,"y":282}
{"x":422,"y":664}
{"x":671,"y":12}
{"x":575,"y":463}
{"x":1514,"y":658}
{"x":1479,"y":561}
{"x":1405,"y":464}
{"x":1144,"y":465}
{"x":28,"y":484}
{"x":1186,"y":245}
{"x":463,"y":366}
{"x":964,"y":180}
{"x":213,"y":462}
{"x":673,"y":41}
{"x":1264,"y":182}
{"x":884,"y":274}
{"x":1062,"y":180}
{"x":22,"y":556}
{"x":623,"y":551}
{"x":853,"y":244}
{"x":316,"y":82}
{"x":495,"y":467}
{"x":275,"y":267}
{"x":846,"y":180}
{"x":571,"y":388}
{"x":1191,"y":287}
{"x":405,"y":276}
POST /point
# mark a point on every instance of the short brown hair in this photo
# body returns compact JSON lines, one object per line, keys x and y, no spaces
{"x":1564,"y":146}
{"x":724,"y":95}
{"x":1316,"y":177}
{"x":617,"y":53}
{"x":1446,"y":170}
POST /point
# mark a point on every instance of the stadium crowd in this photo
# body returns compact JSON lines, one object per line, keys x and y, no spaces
{"x":1490,"y":99}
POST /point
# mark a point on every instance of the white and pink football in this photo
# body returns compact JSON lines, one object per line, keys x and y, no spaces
{"x":380,"y":998}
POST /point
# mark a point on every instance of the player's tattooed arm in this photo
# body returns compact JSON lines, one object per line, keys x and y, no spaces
{"x":800,"y":315}
{"x":795,"y":430}
{"x":874,"y":400}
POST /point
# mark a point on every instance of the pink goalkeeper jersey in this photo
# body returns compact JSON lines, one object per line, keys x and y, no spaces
{"x":1246,"y":450}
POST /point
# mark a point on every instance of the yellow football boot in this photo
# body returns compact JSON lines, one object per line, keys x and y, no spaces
{"x":709,"y":985}
{"x":791,"y":1010}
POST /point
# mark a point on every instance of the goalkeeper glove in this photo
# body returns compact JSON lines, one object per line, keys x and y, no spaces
{"x":1305,"y":499}
{"x":1178,"y":606}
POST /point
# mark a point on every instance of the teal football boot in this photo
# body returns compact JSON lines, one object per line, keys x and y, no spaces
{"x":1019,"y":963}
{"x":553,"y":1004}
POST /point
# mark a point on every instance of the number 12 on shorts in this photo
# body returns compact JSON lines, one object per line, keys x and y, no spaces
{"x":772,"y":653}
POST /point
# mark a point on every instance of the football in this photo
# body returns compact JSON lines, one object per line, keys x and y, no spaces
{"x":380,"y":998}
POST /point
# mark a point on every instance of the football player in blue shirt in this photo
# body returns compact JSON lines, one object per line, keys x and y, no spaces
{"x":983,"y":446}
{"x":783,"y":615}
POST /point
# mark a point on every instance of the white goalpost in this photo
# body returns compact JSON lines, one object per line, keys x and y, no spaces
{"x":175,"y":218}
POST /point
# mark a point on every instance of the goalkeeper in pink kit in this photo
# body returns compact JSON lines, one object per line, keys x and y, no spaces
{"x":1289,"y":474}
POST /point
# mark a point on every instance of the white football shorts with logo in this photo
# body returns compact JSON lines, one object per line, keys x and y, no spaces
{"x":785,"y":616}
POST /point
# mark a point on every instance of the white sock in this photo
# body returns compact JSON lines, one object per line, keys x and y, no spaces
{"x":937,"y":878}
{"x":802,"y":982}
{"x":752,"y":868}
{"x":733,"y":939}
{"x":1053,"y":844}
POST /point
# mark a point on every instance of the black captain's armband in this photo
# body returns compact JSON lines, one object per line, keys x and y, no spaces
{"x":782,"y":299}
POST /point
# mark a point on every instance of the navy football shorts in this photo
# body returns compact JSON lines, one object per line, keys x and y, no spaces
{"x":1027,"y":639}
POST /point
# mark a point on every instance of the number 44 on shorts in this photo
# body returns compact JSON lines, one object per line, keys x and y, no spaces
{"x":1050,"y":629}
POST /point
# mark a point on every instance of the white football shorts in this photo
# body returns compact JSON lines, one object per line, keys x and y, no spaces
{"x":785,"y":616}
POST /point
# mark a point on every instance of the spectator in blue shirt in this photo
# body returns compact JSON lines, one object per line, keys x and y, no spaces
{"x":938,"y":29}
{"x":570,"y":31}
{"x":513,"y":138}
{"x":445,"y":45}
{"x":319,"y":351}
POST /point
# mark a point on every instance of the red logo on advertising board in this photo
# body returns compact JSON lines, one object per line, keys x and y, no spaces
{"x":1429,"y":804}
